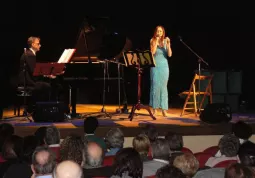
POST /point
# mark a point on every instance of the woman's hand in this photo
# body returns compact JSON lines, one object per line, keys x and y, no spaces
{"x":168,"y":42}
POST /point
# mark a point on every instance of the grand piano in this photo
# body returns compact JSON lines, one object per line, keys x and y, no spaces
{"x":97,"y":59}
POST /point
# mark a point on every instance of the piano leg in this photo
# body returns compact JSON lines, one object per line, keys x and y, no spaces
{"x":72,"y":100}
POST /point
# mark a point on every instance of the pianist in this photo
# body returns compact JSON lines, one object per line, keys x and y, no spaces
{"x":40,"y":90}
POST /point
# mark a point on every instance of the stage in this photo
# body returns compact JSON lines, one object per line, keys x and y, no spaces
{"x":188,"y":124}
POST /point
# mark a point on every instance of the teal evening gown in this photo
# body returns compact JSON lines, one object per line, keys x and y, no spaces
{"x":159,"y":76}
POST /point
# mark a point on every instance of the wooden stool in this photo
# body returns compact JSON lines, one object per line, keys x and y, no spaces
{"x":21,"y":93}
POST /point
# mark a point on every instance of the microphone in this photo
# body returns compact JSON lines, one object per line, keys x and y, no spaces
{"x":180,"y":38}
{"x":25,"y":51}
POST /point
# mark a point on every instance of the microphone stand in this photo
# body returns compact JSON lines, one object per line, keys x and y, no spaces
{"x":200,"y":59}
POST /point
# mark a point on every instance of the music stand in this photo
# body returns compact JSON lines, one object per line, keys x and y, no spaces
{"x":139,"y":60}
{"x":47,"y":69}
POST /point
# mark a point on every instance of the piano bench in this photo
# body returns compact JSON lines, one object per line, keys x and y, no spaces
{"x":19,"y":100}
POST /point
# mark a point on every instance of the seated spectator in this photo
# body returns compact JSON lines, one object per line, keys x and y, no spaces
{"x":52,"y":140}
{"x":246,"y":154}
{"x":127,"y":164}
{"x":242,"y":131}
{"x":90,"y":125}
{"x":175,"y":142}
{"x":92,"y":160}
{"x":22,"y":168}
{"x":141,"y":143}
{"x":43,"y":162}
{"x":12,"y":152}
{"x":160,"y":153}
{"x":187,"y":163}
{"x":40,"y":134}
{"x":229,"y":146}
{"x":71,"y":148}
{"x":151,"y":131}
{"x":6,"y":130}
{"x":169,"y":171}
{"x":114,"y":140}
{"x":68,"y":169}
{"x":239,"y":170}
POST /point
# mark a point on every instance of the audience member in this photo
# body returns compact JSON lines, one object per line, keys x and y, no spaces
{"x":6,"y":130}
{"x":43,"y":162}
{"x":114,"y":140}
{"x":151,"y":131}
{"x":246,"y":154}
{"x":68,"y":169}
{"x":52,"y":139}
{"x":92,"y":160}
{"x":71,"y":149}
{"x":237,"y":170}
{"x":175,"y":142}
{"x":242,"y":130}
{"x":12,"y":152}
{"x":141,"y":143}
{"x":90,"y":125}
{"x":229,"y":145}
{"x":160,"y":155}
{"x":40,"y":133}
{"x":127,"y":164}
{"x":187,"y":163}
{"x":169,"y":171}
{"x":22,"y":168}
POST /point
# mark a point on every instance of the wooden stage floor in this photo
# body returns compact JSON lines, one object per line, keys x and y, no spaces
{"x":188,"y":124}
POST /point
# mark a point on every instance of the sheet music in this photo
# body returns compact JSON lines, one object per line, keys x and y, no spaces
{"x":66,"y":56}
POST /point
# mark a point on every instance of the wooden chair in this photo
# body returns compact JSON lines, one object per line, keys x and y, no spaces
{"x":193,"y":93}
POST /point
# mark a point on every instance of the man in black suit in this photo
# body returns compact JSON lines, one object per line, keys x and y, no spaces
{"x":40,"y":89}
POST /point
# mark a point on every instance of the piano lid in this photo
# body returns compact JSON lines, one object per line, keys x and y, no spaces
{"x":98,"y":40}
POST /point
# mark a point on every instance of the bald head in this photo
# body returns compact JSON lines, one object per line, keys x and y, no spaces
{"x":68,"y":169}
{"x":94,"y":150}
{"x":93,"y":155}
{"x":42,"y":157}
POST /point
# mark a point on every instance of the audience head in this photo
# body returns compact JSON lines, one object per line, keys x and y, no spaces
{"x":52,"y":135}
{"x":114,"y":138}
{"x":160,"y":149}
{"x":242,"y":130}
{"x":71,"y":148}
{"x":6,"y":130}
{"x":40,"y":133}
{"x":151,"y":131}
{"x":141,"y":143}
{"x":90,"y":125}
{"x":93,"y":155}
{"x":237,"y":170}
{"x":175,"y":141}
{"x":246,"y":154}
{"x":128,"y":162}
{"x":169,"y":171}
{"x":229,"y":145}
{"x":43,"y":160}
{"x":187,"y":163}
{"x":29,"y":146}
{"x":68,"y":169}
{"x":13,"y":147}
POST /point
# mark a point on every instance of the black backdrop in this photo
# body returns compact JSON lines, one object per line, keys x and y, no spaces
{"x":224,"y":40}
